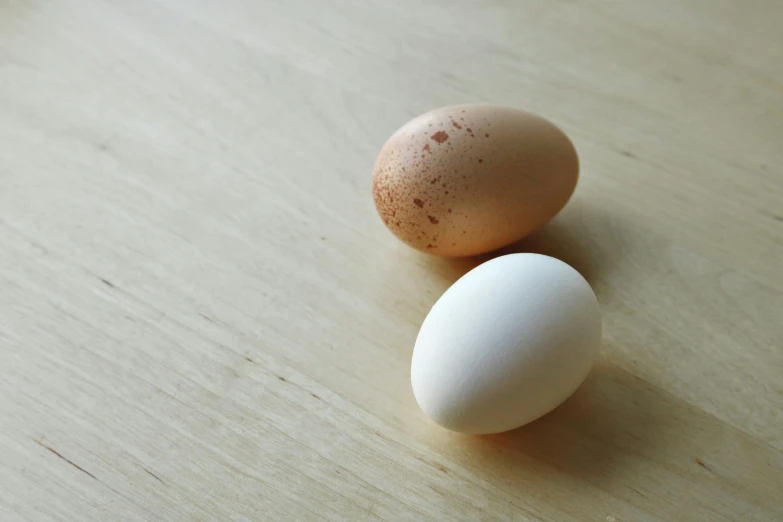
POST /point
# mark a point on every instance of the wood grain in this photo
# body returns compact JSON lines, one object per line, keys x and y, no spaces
{"x":202,"y":318}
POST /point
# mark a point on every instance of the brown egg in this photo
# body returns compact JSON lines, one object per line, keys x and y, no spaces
{"x":469,"y":179}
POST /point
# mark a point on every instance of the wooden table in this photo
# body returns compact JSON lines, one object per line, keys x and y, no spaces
{"x":202,"y":317}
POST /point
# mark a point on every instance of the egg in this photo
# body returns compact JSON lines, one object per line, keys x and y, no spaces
{"x":470,"y":179}
{"x":507,"y":343}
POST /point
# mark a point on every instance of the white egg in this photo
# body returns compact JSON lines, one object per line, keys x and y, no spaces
{"x":507,"y":343}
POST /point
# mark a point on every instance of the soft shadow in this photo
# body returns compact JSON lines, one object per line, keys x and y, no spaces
{"x":580,"y":236}
{"x":612,"y":409}
{"x":587,"y":435}
{"x":449,"y":269}
{"x":626,"y":449}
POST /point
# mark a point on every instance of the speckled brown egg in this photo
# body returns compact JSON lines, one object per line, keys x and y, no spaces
{"x":470,"y":179}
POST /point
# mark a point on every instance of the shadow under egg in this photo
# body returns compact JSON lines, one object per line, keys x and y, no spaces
{"x":586,"y":435}
{"x":578,"y":236}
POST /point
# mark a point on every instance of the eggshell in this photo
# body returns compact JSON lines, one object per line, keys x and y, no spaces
{"x":507,"y":343}
{"x":469,"y":179}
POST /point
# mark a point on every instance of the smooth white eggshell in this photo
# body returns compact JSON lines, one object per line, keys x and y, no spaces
{"x":507,"y":343}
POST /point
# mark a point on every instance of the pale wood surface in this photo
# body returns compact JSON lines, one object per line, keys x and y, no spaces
{"x":202,"y":318}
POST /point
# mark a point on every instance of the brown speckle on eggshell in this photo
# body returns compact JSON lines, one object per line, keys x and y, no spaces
{"x":440,"y":136}
{"x":510,"y":183}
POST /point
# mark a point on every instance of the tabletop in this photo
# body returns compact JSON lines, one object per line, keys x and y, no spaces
{"x":203,"y":318}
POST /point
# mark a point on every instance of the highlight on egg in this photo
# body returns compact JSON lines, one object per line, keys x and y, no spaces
{"x":507,"y":343}
{"x":469,"y":179}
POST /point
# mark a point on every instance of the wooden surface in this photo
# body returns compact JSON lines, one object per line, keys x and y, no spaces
{"x":202,"y":317}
